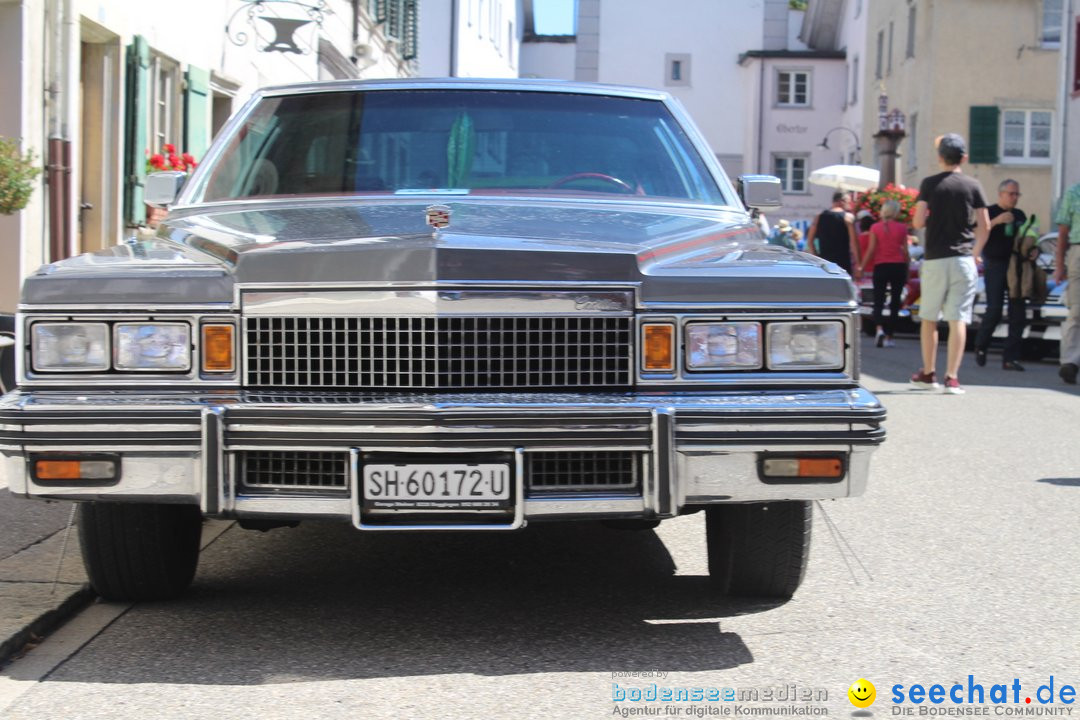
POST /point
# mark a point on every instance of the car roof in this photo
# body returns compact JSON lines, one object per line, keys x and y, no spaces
{"x":524,"y":84}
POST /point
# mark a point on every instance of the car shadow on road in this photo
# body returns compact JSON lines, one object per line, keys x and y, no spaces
{"x":1065,"y":482}
{"x":324,"y":602}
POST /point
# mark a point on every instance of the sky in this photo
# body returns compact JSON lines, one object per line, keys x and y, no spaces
{"x":554,"y":17}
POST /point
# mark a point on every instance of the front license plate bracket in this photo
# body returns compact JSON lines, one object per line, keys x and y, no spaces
{"x":409,"y":489}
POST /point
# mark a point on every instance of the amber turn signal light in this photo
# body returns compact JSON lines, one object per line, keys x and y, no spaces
{"x":659,"y":346}
{"x":85,"y":469}
{"x":805,"y":467}
{"x":217,"y":348}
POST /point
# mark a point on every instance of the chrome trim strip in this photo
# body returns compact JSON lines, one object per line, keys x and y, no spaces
{"x":291,"y":506}
{"x":212,"y":499}
{"x":446,"y":302}
{"x":664,"y":495}
{"x":563,"y":506}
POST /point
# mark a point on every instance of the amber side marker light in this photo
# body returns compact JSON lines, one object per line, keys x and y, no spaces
{"x":807,"y":467}
{"x":217,"y":348}
{"x":659,"y":346}
{"x":75,"y":470}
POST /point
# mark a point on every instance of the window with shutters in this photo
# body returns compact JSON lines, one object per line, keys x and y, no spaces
{"x":983,"y":134}
{"x":793,"y":88}
{"x":880,"y":54}
{"x":855,"y":80}
{"x":164,"y":123}
{"x":791,"y":169}
{"x":1025,"y":135}
{"x":913,"y":140}
{"x":1076,"y":59}
{"x":910,"y":32}
{"x":1053,"y":12}
{"x":888,"y":51}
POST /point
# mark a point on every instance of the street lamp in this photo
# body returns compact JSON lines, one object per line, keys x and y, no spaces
{"x":858,"y":146}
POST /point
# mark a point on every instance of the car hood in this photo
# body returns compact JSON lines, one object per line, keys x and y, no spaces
{"x":672,"y":253}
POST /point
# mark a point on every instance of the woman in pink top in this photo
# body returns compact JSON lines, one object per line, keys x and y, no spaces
{"x":887,"y":253}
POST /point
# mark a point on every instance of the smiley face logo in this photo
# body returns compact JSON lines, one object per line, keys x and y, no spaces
{"x":862,"y":693}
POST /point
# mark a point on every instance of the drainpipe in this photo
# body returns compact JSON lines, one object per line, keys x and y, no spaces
{"x":55,"y":165}
{"x":452,"y":65}
{"x":1068,"y":42}
{"x":71,"y":122}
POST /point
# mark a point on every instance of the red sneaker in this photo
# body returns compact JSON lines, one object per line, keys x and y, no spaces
{"x":924,"y":380}
{"x":952,"y":386}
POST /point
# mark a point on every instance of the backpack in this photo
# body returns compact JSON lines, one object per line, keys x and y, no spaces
{"x":1025,"y":278}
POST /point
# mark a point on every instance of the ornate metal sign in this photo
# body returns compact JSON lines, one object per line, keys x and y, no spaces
{"x":281,"y":18}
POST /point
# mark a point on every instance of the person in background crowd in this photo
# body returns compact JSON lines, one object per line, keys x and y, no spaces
{"x":1067,"y":265}
{"x":865,"y":219}
{"x":797,"y":237}
{"x":782,"y":235}
{"x":887,"y":254}
{"x":952,"y":208}
{"x":1005,"y":219}
{"x":834,"y":233}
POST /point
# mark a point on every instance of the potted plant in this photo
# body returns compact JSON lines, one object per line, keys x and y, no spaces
{"x":17,"y":175}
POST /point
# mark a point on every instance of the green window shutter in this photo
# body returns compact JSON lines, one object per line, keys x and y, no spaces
{"x":983,"y":134}
{"x":135,"y":136}
{"x":197,"y":112}
{"x":409,"y":41}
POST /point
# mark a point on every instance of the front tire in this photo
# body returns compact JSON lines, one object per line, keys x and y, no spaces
{"x":138,"y":552}
{"x":758,"y":549}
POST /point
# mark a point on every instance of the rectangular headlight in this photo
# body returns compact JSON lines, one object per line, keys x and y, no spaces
{"x":69,"y":347}
{"x":723,"y":346}
{"x":152,"y":346}
{"x":806,"y":345}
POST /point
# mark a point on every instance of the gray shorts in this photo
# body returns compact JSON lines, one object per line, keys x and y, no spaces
{"x":947,"y":288}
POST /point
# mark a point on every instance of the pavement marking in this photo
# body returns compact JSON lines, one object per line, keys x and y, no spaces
{"x":29,"y":670}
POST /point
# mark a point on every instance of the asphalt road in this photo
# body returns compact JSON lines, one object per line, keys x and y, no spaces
{"x":966,"y":553}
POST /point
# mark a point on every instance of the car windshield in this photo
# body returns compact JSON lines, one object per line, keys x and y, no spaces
{"x":459,"y":142}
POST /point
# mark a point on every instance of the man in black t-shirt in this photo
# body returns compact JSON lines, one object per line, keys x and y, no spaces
{"x":1005,"y":221}
{"x":952,"y":208}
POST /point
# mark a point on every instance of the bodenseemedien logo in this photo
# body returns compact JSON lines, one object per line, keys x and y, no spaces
{"x":862,"y":693}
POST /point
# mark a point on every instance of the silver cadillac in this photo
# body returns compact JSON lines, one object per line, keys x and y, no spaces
{"x":443,"y":306}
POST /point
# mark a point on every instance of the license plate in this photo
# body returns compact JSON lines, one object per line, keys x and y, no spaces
{"x":445,"y":487}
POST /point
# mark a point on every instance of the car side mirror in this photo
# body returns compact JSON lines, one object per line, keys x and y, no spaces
{"x":760,"y":192}
{"x":162,"y":188}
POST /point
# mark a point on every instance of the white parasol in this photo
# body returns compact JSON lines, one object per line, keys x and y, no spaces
{"x":846,"y":177}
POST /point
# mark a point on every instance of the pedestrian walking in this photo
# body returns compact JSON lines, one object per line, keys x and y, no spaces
{"x":783,"y":235}
{"x":952,"y":208}
{"x":1067,"y":265}
{"x":832,"y":235}
{"x":887,"y":253}
{"x":1005,"y":221}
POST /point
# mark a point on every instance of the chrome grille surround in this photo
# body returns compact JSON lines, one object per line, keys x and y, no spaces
{"x":293,"y":470}
{"x":583,"y":470}
{"x":493,"y":352}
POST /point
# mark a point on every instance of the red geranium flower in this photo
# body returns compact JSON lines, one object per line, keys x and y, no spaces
{"x":169,"y":148}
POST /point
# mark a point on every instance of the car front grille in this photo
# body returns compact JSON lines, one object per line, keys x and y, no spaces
{"x":438,"y":353}
{"x":293,"y":470}
{"x":599,"y":470}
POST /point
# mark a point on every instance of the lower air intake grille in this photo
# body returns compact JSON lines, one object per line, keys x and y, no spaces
{"x":592,"y":470}
{"x":438,"y":353}
{"x":294,"y":470}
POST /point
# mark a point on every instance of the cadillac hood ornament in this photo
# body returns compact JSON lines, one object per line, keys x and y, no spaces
{"x":438,"y":216}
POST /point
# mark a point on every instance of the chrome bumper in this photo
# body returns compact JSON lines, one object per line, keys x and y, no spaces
{"x":180,"y":447}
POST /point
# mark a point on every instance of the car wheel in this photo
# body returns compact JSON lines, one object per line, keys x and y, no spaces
{"x":138,"y":551}
{"x":758,"y":549}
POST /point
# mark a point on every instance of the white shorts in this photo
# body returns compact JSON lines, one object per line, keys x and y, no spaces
{"x":947,"y":288}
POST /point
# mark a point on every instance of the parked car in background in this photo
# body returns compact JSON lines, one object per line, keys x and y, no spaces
{"x":443,"y":305}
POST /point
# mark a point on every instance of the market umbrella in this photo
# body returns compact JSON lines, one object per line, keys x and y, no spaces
{"x":846,"y":177}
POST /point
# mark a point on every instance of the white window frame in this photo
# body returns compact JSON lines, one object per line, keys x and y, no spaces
{"x":1047,"y":31}
{"x":786,"y":176}
{"x":1027,"y":159}
{"x":792,"y":72}
{"x":165,"y":123}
